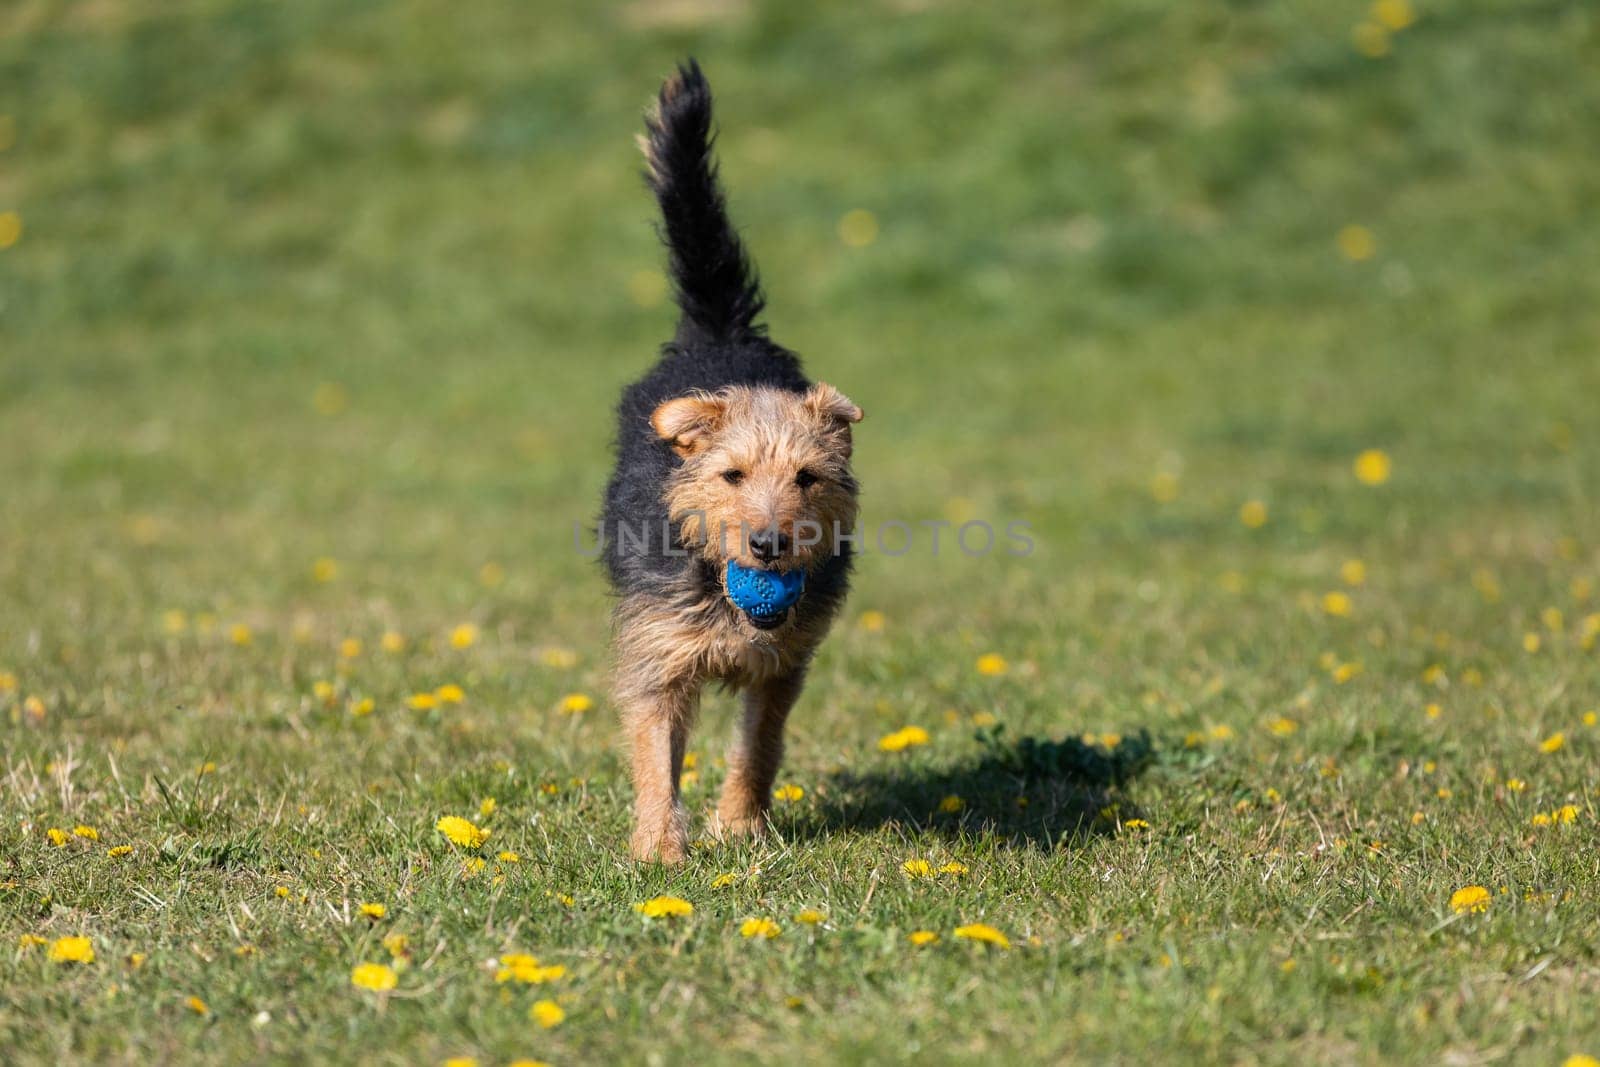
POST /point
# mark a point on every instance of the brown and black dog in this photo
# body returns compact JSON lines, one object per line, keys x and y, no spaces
{"x":727,"y":521}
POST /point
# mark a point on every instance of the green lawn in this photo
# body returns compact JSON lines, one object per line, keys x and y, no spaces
{"x":357,"y":282}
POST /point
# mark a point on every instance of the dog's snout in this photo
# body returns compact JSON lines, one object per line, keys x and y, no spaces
{"x":768,"y":545}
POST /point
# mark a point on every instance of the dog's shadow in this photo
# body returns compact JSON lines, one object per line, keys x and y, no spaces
{"x":1029,"y":792}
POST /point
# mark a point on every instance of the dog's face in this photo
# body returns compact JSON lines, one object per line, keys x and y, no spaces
{"x":765,"y":479}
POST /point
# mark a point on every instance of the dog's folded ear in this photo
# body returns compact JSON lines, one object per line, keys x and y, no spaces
{"x":688,"y":421}
{"x":828,"y":402}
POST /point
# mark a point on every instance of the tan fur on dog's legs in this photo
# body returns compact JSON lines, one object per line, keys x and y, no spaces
{"x":658,"y":733}
{"x":753,"y":762}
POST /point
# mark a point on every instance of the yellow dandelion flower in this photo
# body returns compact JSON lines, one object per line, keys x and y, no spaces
{"x":422,"y":701}
{"x":1531,"y":642}
{"x":723,"y":881}
{"x":762,"y":928}
{"x":1396,"y":15}
{"x":576,"y":703}
{"x":1433,"y":711}
{"x":858,"y":228}
{"x":374,"y":911}
{"x":983,"y":932}
{"x":119,"y":851}
{"x":461,"y":832}
{"x":1336,"y":604}
{"x":917,"y":868}
{"x":8,"y":682}
{"x":922,"y":937}
{"x":520,"y":967}
{"x":450,"y":693}
{"x":509,"y":857}
{"x":10,"y":228}
{"x":873,"y":621}
{"x":392,"y":641}
{"x":992,"y":664}
{"x":363,"y":707}
{"x":954,"y":869}
{"x":1540,"y":818}
{"x":88,"y":833}
{"x":173,"y":622}
{"x":1135,"y":824}
{"x":196,"y":1005}
{"x":547,"y":1013}
{"x":809,"y":916}
{"x":1516,"y":785}
{"x":324,"y":691}
{"x":397,"y":944}
{"x":378,"y":977}
{"x":57,"y":836}
{"x":1567,"y":813}
{"x":951,"y":804}
{"x":325,"y":569}
{"x":1282,"y":727}
{"x":905,"y":737}
{"x":983,"y":719}
{"x":240,"y":634}
{"x":664,"y":907}
{"x":790,"y":793}
{"x":486,"y":806}
{"x":1468,"y":899}
{"x":464,"y":636}
{"x":72,"y":950}
{"x":1373,"y":467}
{"x":460,"y":1061}
{"x":1253,"y":514}
{"x":527,"y":1063}
{"x":281,"y":892}
{"x":560,"y":658}
{"x":350,"y":648}
{"x":1591,"y":717}
{"x":1553,"y":743}
{"x":1353,"y":572}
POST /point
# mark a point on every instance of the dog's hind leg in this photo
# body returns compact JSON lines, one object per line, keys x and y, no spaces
{"x":658,"y":732}
{"x":753,"y":763}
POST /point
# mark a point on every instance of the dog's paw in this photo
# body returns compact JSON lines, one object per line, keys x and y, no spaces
{"x":735,"y":823}
{"x":666,"y":848}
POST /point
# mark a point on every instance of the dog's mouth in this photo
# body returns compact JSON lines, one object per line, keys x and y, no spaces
{"x":765,"y":597}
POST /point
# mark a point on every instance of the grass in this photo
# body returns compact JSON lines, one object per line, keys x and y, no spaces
{"x":358,"y":281}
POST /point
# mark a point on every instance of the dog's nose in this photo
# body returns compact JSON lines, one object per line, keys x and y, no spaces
{"x":768,"y":545}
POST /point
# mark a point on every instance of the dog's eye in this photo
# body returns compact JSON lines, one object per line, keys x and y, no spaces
{"x":733,"y":477}
{"x":805,"y":479}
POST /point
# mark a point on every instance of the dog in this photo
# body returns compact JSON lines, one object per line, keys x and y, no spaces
{"x":727,"y":522}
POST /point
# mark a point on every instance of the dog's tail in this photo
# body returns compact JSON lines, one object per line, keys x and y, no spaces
{"x":715,"y":284}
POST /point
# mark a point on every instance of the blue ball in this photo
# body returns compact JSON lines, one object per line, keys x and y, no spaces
{"x":765,"y":594}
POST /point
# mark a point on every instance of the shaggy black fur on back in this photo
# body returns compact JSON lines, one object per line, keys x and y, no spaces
{"x":718,"y":343}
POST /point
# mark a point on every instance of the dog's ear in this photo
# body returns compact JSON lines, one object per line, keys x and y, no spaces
{"x":688,"y":422}
{"x":826,"y":401}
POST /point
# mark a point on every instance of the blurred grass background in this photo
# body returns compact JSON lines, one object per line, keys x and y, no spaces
{"x":360,"y":280}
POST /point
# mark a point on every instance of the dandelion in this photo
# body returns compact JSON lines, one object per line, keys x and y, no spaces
{"x":57,"y":836}
{"x":789,"y":793}
{"x":903,"y":738}
{"x":762,"y":928}
{"x":922,"y":937}
{"x":664,"y":907}
{"x":325,"y":569}
{"x":1567,"y":813}
{"x":323,"y":691}
{"x":71,"y":950}
{"x":1540,"y":818}
{"x":8,"y":682}
{"x":119,"y":851}
{"x":240,"y":634}
{"x":954,"y":869}
{"x":281,"y":892}
{"x":509,"y":857}
{"x":27,"y":941}
{"x":1136,"y":824}
{"x":350,"y":648}
{"x":1516,"y":785}
{"x":378,"y":977}
{"x":173,"y":622}
{"x":1336,"y":604}
{"x":917,"y":868}
{"x":374,"y":911}
{"x":10,"y":228}
{"x":858,"y":228}
{"x":1553,"y":743}
{"x":723,"y":881}
{"x":397,"y":944}
{"x":1396,"y":15}
{"x":422,"y":701}
{"x":873,"y":621}
{"x":363,"y":707}
{"x":522,"y":968}
{"x":1253,"y":514}
{"x":1469,"y":899}
{"x":547,"y":1013}
{"x":473,"y":866}
{"x":992,"y":664}
{"x":196,"y":1005}
{"x":1282,"y":727}
{"x":1373,"y":467}
{"x":1530,"y":642}
{"x":984,"y":719}
{"x":983,"y":932}
{"x":449,"y":693}
{"x":559,"y":658}
{"x":460,"y":1061}
{"x":486,"y":806}
{"x":464,"y":636}
{"x":809,"y":916}
{"x":461,"y":832}
{"x":1591,"y":717}
{"x":33,"y":708}
{"x":951,"y":804}
{"x":576,"y":703}
{"x":1433,"y":711}
{"x":1353,"y":572}
{"x":392,"y":641}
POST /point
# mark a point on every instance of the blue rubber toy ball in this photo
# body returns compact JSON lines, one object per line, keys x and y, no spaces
{"x":764,"y":594}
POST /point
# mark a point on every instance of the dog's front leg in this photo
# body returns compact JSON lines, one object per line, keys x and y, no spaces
{"x":658,"y":733}
{"x":753,"y":763}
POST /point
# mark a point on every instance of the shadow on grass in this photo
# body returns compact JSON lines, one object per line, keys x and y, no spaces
{"x":1029,"y":792}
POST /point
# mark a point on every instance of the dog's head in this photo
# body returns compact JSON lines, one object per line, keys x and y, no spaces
{"x":765,"y":481}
